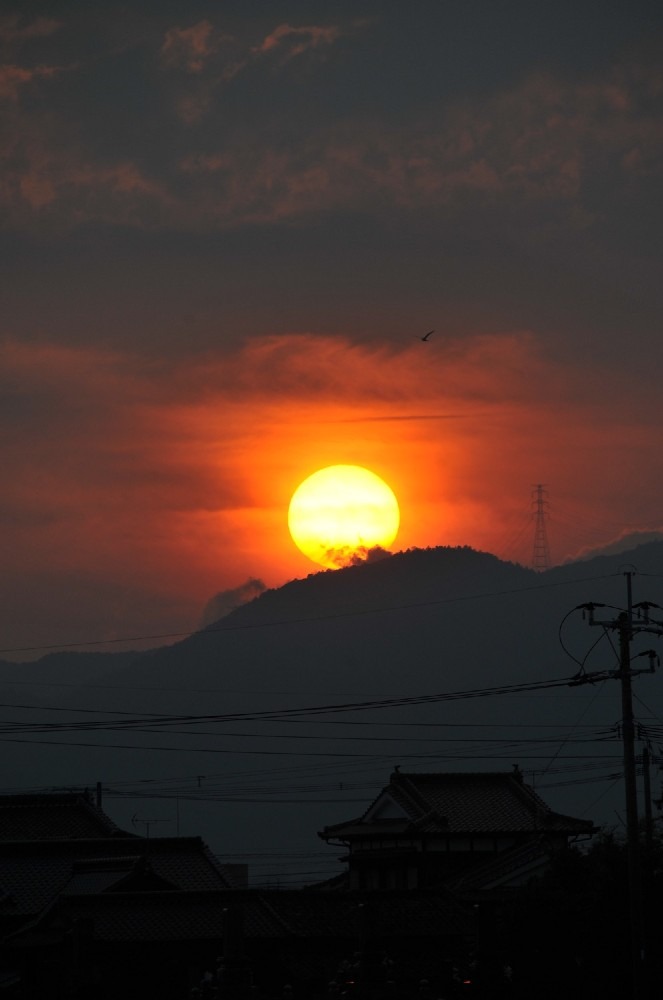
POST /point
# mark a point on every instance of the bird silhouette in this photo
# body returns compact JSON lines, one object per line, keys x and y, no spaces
{"x":426,"y":336}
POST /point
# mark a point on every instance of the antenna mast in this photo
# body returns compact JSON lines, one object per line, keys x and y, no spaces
{"x":541,"y":550}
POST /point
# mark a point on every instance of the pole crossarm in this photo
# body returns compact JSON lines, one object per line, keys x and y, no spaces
{"x":637,"y":624}
{"x":628,"y":624}
{"x":614,"y":675}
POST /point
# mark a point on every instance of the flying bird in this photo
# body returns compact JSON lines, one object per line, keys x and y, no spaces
{"x":426,"y":335}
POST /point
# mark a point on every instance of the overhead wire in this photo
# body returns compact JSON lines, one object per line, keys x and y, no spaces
{"x":473,"y":747}
{"x":337,"y":615}
{"x":288,"y":774}
{"x":566,"y":739}
{"x":162,"y":723}
{"x":284,"y":713}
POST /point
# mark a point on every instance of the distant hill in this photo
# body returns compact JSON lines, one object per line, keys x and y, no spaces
{"x":419,"y":622}
{"x":66,"y":667}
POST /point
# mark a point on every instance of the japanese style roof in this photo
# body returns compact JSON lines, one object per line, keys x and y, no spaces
{"x":497,"y":803}
{"x":54,"y":816}
{"x":510,"y":868}
{"x":33,"y":874}
{"x":265,"y":916}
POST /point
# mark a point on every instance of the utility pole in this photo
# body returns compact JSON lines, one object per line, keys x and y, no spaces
{"x":627,"y":628}
{"x":541,"y":550}
{"x":649,"y":820}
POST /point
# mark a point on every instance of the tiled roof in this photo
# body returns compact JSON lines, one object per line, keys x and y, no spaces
{"x":168,"y":916}
{"x":29,"y":885}
{"x":509,"y":868}
{"x":463,"y":803}
{"x":404,"y":913}
{"x":53,"y":817}
{"x":33,"y":874}
{"x":94,"y":875}
{"x":149,"y":916}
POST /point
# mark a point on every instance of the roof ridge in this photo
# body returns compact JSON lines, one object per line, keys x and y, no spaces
{"x":404,"y":784}
{"x":453,"y":774}
{"x":529,"y":793}
{"x":274,"y":914}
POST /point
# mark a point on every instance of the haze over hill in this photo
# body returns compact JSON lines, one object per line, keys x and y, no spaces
{"x":422,"y":622}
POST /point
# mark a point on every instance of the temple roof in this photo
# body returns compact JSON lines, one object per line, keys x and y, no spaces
{"x":495,"y":803}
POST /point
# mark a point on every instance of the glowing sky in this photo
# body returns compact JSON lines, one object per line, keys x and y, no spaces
{"x":224,"y":229}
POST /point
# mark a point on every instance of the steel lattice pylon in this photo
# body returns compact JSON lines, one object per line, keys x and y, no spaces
{"x":541,"y":550}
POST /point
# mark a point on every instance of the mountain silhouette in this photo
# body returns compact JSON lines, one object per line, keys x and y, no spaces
{"x":423,"y":622}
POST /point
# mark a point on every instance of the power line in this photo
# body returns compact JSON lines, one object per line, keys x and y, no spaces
{"x":287,"y":713}
{"x":276,"y":623}
{"x":238,"y":752}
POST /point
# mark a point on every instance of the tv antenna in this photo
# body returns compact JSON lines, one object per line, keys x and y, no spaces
{"x":147,"y":823}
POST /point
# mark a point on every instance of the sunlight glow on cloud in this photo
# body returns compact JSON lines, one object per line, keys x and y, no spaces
{"x":217,"y":58}
{"x":225,"y":230}
{"x":496,"y":148}
{"x":12,"y":33}
{"x":544,"y":141}
{"x":140,"y":458}
{"x":293,"y":41}
{"x":175,"y":476}
{"x":190,"y":48}
{"x":12,"y":78}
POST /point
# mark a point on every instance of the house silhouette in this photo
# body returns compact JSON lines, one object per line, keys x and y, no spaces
{"x":89,"y":910}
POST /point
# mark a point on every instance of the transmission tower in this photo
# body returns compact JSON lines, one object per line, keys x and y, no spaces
{"x":541,"y":550}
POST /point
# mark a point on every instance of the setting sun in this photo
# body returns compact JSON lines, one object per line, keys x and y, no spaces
{"x":339,"y":514}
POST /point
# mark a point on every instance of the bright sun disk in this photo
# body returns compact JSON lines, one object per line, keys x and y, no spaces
{"x":339,"y":514}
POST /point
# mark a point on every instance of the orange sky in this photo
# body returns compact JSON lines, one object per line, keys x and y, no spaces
{"x":224,"y":229}
{"x":139,"y":488}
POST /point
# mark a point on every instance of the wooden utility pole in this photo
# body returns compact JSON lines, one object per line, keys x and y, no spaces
{"x":631,"y":793}
{"x":646,"y":789}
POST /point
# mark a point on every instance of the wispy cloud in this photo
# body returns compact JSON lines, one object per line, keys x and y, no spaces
{"x":289,"y":41}
{"x":540,"y":142}
{"x":14,"y":32}
{"x":190,"y":48}
{"x":176,"y":475}
{"x":545,"y":141}
{"x":194,"y":48}
{"x":216,"y":58}
{"x":46,"y":178}
{"x":14,"y":35}
{"x":12,"y":78}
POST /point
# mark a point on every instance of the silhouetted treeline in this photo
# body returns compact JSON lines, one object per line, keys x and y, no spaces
{"x":568,"y":932}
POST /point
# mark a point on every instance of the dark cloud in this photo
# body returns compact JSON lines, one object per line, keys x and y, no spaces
{"x":227,"y":600}
{"x":375,"y":554}
{"x":342,"y":556}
